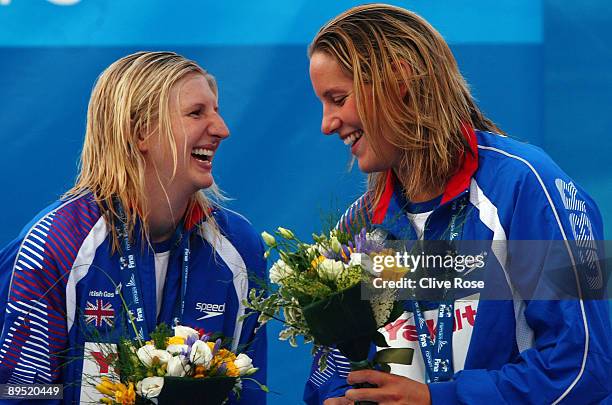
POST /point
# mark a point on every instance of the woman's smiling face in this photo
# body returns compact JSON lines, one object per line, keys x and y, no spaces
{"x":198,"y":129}
{"x":334,"y":88}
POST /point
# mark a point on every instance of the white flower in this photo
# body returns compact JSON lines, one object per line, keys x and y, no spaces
{"x":330,"y":269}
{"x":150,"y":387}
{"x":176,"y":349}
{"x":162,"y":355}
{"x":200,"y":354}
{"x":186,"y":332}
{"x":279,"y":271}
{"x":364,"y":261}
{"x":268,"y":239}
{"x":286,"y":233}
{"x":178,"y":366}
{"x":147,"y":353}
{"x":244,"y":364}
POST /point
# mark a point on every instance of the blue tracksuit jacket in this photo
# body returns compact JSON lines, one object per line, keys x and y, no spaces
{"x":515,"y":350}
{"x":58,"y":295}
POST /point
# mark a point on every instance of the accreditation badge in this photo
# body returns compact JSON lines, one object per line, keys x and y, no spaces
{"x":402,"y":333}
{"x":97,"y":362}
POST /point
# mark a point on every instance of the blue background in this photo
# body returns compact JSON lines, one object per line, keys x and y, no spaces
{"x":541,"y":69}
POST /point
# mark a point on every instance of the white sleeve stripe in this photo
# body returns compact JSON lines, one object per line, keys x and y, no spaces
{"x":34,"y":262}
{"x":37,"y":237}
{"x":40,"y":232}
{"x":235,"y":263}
{"x":554,"y":210}
{"x":21,"y":370}
{"x":32,"y":250}
{"x":46,"y":349}
{"x":317,"y":379}
{"x":80,"y":266}
{"x":34,"y":360}
{"x":24,"y":263}
{"x":16,"y":380}
{"x":33,"y":366}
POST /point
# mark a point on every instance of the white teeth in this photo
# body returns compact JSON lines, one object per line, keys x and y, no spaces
{"x":202,"y":151}
{"x":353,"y":137}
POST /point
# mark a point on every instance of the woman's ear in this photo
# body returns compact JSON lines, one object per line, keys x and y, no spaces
{"x":143,"y":143}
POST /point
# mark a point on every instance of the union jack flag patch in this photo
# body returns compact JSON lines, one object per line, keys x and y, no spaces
{"x":99,"y":313}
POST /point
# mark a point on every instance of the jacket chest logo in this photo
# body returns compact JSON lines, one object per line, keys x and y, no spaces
{"x":99,"y":313}
{"x":209,"y":310}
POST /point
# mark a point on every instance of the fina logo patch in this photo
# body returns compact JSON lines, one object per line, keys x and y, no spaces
{"x":132,"y":281}
{"x":211,"y":310}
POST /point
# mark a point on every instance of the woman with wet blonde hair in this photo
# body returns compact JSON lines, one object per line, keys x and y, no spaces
{"x":124,"y":114}
{"x":439,"y":169}
{"x":135,"y":242}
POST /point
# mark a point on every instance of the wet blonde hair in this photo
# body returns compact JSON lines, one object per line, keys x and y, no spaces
{"x":130,"y":101}
{"x":408,"y":91}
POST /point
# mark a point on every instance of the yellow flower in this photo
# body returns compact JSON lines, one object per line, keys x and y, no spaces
{"x":232,"y":370}
{"x":226,"y":355}
{"x":176,"y":340}
{"x":130,"y":395}
{"x":106,"y":387}
{"x":316,"y":262}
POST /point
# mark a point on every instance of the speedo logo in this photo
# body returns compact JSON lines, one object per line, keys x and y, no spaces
{"x":211,"y":310}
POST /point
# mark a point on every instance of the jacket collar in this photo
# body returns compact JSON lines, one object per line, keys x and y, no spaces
{"x":195,"y":216}
{"x":460,"y":182}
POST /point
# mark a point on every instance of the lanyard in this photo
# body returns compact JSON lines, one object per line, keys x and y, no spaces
{"x":130,"y":279}
{"x":179,"y":307}
{"x":437,"y":355}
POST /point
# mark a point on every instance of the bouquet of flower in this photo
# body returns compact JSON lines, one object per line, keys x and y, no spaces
{"x":181,"y":363}
{"x":320,"y":293}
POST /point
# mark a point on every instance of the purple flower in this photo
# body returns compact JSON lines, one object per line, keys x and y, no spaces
{"x":330,"y":254}
{"x":363,"y":245}
{"x":217,"y":347}
{"x":190,"y":340}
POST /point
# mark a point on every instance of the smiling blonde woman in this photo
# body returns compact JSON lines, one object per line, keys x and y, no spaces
{"x":135,"y":227}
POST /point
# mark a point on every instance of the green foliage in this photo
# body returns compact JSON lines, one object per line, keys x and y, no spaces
{"x":160,"y":335}
{"x":127,"y":363}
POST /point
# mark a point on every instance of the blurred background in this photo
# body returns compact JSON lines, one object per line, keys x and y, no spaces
{"x":541,"y":69}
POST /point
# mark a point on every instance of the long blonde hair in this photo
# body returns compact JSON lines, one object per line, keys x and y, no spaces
{"x":131,"y":99}
{"x":408,"y":91}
